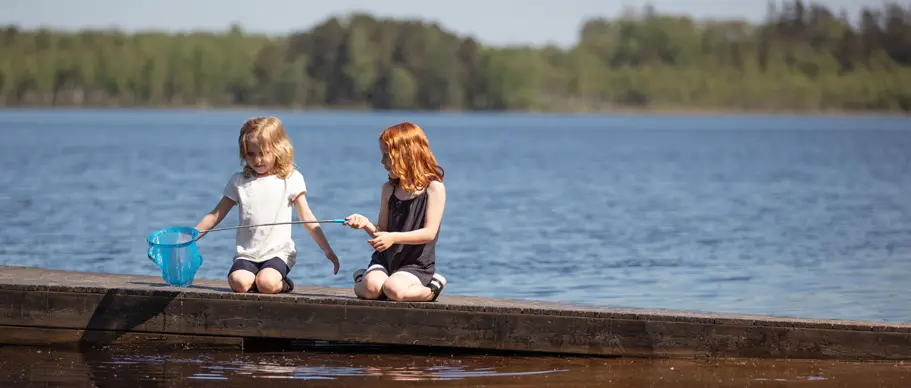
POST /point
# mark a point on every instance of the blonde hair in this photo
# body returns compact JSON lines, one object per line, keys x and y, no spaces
{"x":410,"y":157}
{"x":272,"y":138}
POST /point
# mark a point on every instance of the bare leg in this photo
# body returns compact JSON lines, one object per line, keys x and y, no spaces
{"x":241,"y":280}
{"x":371,"y":285}
{"x":404,"y":287}
{"x":269,"y":281}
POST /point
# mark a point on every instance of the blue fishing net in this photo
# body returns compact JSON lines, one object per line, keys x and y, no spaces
{"x":174,"y":250}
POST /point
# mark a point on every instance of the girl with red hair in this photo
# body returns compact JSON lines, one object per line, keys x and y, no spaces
{"x":403,"y":265}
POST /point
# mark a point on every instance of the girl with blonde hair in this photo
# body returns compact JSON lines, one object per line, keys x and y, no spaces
{"x":264,"y":193}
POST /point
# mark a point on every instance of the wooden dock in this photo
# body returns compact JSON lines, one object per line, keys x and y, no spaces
{"x":46,"y":307}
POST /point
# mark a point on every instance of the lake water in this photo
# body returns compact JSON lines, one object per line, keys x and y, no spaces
{"x":789,"y":216}
{"x":309,"y":367}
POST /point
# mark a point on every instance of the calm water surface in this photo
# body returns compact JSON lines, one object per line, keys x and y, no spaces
{"x":794,"y":216}
{"x":38,"y":367}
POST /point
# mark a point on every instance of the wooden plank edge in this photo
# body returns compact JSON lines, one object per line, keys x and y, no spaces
{"x":549,"y":309}
{"x":79,"y":338}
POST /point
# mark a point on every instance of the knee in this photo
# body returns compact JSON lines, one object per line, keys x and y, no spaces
{"x":268,"y":285}
{"x":368,"y":290}
{"x":241,"y":281}
{"x":394,"y":291}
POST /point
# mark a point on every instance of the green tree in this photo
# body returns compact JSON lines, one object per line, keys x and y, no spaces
{"x":802,"y":56}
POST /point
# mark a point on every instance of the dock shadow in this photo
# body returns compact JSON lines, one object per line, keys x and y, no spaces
{"x":117,"y":314}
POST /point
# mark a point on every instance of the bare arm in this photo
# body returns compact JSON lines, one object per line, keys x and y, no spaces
{"x":383,"y":219}
{"x":316,"y":232}
{"x":358,"y":221}
{"x":215,"y":216}
{"x":436,"y":201}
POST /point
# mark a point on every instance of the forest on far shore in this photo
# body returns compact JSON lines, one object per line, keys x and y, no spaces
{"x":803,"y":57}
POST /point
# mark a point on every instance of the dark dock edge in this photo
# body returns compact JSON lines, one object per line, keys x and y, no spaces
{"x":61,"y":308}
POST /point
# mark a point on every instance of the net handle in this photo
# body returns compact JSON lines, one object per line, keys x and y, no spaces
{"x":335,"y":221}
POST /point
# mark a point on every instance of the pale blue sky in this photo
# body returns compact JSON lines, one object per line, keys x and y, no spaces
{"x":491,"y":21}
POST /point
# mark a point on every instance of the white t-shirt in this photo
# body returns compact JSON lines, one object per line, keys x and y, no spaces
{"x":265,"y":200}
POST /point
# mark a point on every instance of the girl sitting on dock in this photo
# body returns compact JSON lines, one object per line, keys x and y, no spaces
{"x":403,"y":265}
{"x":264,"y":192}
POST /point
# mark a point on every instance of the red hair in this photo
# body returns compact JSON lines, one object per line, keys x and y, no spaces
{"x":410,"y":157}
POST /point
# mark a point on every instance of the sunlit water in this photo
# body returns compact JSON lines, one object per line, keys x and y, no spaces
{"x":795,"y":216}
{"x":39,"y":367}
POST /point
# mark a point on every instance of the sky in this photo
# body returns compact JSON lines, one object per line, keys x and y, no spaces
{"x":496,"y":22}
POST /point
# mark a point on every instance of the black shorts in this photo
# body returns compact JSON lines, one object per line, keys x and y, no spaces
{"x":247,"y":265}
{"x":424,"y":274}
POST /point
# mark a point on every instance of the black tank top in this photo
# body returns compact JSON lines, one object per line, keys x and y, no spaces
{"x":405,"y":216}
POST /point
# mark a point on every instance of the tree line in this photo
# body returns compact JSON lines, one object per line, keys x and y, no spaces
{"x":803,"y":56}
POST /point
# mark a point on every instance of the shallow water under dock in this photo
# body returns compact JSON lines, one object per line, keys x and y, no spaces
{"x":353,"y":366}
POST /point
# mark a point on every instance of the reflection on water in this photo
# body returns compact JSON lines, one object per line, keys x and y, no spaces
{"x":28,"y":366}
{"x":293,"y":366}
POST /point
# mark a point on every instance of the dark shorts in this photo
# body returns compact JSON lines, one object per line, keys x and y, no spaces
{"x":247,"y":265}
{"x":424,"y":274}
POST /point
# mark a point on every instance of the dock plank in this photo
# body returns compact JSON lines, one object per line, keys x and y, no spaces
{"x":83,"y":301}
{"x":36,"y":336}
